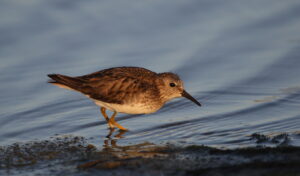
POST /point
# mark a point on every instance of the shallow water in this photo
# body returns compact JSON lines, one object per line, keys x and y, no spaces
{"x":241,"y":60}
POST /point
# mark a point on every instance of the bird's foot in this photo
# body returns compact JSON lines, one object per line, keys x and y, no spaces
{"x":114,"y":124}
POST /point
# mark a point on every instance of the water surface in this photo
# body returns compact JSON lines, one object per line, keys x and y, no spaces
{"x":241,"y":60}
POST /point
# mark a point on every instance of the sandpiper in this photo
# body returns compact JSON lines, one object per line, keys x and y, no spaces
{"x":130,"y":90}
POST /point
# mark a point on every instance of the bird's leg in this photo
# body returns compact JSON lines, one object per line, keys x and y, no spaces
{"x":104,"y":114}
{"x":106,"y":117}
{"x":112,"y":121}
{"x":111,"y":131}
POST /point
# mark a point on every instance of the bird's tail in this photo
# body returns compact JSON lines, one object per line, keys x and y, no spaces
{"x":66,"y":82}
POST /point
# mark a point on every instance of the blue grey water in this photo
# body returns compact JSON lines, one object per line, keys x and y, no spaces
{"x":240,"y":59}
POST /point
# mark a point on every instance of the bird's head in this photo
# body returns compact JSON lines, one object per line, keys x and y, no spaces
{"x":171,"y":86}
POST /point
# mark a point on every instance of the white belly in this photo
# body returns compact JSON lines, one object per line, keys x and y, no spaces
{"x":128,"y":109}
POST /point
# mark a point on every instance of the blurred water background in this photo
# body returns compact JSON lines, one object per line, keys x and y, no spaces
{"x":240,"y":59}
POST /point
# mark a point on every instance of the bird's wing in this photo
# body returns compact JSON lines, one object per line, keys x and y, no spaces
{"x":117,"y":72}
{"x":116,"y":86}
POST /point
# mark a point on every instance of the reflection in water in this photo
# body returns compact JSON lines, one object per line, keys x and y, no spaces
{"x":113,"y":156}
{"x":119,"y":135}
{"x":113,"y":141}
{"x":144,"y":150}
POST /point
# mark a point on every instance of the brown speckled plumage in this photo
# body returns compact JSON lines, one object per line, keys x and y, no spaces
{"x":123,"y":89}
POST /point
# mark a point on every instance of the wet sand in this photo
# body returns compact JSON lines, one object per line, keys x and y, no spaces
{"x":69,"y":155}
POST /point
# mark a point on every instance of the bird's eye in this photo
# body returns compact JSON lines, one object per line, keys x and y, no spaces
{"x":172,"y":84}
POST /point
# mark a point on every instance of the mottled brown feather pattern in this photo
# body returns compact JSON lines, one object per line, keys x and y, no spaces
{"x":116,"y":85}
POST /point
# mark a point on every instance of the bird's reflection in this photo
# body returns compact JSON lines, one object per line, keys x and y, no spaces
{"x":114,"y":156}
{"x":118,"y":136}
{"x":111,"y":140}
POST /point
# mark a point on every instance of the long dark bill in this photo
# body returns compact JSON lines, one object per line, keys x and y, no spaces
{"x":188,"y":96}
